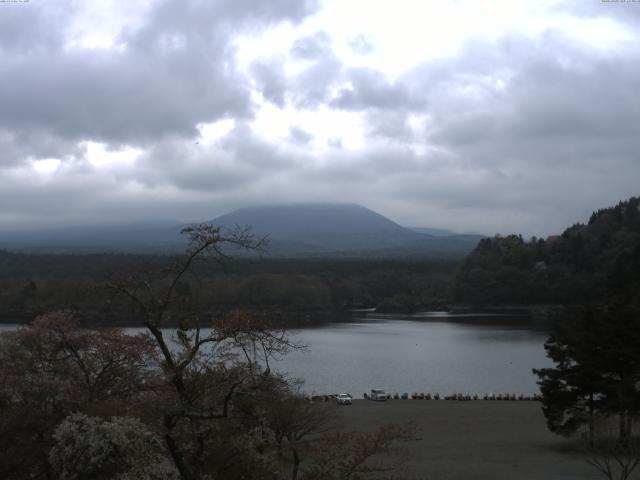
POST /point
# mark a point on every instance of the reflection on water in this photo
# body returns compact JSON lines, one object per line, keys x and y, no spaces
{"x":414,"y":355}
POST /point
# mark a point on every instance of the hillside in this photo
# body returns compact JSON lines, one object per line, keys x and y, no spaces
{"x":587,"y":263}
{"x":340,"y":229}
{"x":308,"y":220}
{"x":299,"y":230}
{"x":138,"y":237}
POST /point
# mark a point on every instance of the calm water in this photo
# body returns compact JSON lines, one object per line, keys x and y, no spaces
{"x":428,"y":354}
{"x":425,"y":353}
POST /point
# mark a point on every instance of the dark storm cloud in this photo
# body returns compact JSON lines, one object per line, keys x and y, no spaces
{"x":171,"y":74}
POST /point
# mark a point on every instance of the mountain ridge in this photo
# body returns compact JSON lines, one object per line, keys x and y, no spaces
{"x":306,"y":229}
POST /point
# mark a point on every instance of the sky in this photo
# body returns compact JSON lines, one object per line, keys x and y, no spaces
{"x":474,"y":116}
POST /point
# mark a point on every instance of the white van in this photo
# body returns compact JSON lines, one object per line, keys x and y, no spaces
{"x":378,"y":395}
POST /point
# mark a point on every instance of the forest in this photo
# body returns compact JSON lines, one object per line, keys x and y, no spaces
{"x":586,"y":263}
{"x":294,"y":292}
{"x":98,"y":403}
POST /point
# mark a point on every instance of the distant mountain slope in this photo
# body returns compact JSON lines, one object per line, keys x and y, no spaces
{"x":340,"y":229}
{"x":293,"y":230}
{"x":151,"y":236}
{"x":439,"y":232}
{"x":435,"y":232}
{"x":309,"y":220}
{"x":321,"y":229}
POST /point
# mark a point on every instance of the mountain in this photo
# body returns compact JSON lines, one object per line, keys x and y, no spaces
{"x":320,"y":229}
{"x":434,"y":232}
{"x":317,"y":228}
{"x":145,"y":236}
{"x":438,"y":232}
{"x":340,"y":229}
{"x":309,"y":220}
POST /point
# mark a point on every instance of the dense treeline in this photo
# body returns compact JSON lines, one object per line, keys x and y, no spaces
{"x":595,"y":344}
{"x":586,"y":264}
{"x":291,"y":291}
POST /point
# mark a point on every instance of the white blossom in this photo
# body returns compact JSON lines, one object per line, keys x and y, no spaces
{"x":116,"y":449}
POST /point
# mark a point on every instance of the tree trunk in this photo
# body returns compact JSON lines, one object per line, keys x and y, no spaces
{"x":174,"y":451}
{"x":296,"y":465}
{"x":591,"y":421}
{"x":623,"y":430}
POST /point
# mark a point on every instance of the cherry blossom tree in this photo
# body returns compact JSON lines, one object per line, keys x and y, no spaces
{"x":121,"y":448}
{"x":53,"y":368}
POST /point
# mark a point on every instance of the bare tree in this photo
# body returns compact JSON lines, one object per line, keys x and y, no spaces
{"x":296,"y":424}
{"x":199,"y":401}
{"x":614,"y":458}
{"x":215,"y":366}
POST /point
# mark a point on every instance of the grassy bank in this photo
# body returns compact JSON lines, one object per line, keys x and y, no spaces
{"x":475,"y":440}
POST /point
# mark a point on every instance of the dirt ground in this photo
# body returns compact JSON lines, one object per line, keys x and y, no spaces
{"x":475,"y":440}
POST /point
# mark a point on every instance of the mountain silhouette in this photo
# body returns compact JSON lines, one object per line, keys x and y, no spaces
{"x":313,"y":229}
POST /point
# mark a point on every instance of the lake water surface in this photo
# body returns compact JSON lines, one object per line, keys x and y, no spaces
{"x":428,"y":353}
{"x":431,"y":352}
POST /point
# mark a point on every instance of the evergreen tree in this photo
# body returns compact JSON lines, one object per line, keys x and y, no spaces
{"x":597,"y":372}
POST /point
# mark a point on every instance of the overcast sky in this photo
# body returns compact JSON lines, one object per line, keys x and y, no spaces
{"x":486,"y":116}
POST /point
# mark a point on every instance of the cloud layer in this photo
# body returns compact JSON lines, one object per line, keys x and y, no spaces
{"x":190,"y":109}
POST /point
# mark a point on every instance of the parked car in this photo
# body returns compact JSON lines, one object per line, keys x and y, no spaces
{"x":343,"y":399}
{"x":378,"y":395}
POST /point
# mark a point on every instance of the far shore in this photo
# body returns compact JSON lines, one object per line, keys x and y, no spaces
{"x":293,"y":320}
{"x":484,"y":440}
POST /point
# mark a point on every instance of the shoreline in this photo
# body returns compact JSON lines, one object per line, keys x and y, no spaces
{"x":508,"y":315}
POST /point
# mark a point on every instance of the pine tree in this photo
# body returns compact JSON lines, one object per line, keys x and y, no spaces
{"x":597,"y":372}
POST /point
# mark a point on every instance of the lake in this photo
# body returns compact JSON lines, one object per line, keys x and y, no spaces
{"x":426,"y":353}
{"x":429,"y":352}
